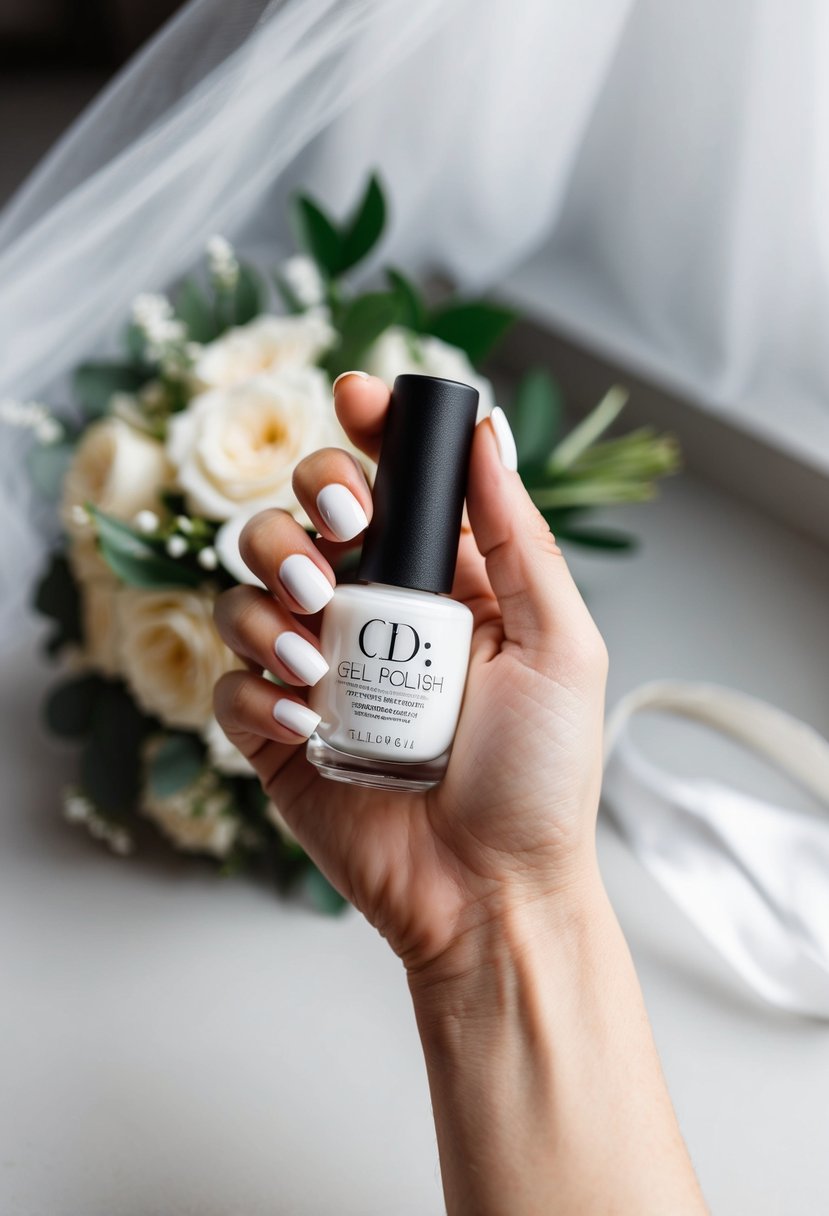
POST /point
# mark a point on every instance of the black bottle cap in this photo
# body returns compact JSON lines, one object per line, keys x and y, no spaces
{"x":412,"y":540}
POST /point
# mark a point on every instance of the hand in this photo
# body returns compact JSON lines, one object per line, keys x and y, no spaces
{"x":512,"y":823}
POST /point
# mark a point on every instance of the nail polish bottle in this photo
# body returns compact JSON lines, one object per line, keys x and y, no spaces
{"x":397,"y":646}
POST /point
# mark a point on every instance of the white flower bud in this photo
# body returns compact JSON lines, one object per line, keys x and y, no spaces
{"x":147,"y":521}
{"x":207,"y":558}
{"x":176,"y":546}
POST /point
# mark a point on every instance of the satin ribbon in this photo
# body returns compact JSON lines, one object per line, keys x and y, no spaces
{"x":752,"y":876}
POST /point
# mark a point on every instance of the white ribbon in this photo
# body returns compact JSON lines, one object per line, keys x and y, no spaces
{"x":752,"y":876}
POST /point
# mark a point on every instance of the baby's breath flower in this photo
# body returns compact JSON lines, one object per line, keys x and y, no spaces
{"x":79,"y":515}
{"x":184,"y":524}
{"x":147,"y":521}
{"x":31,"y":416}
{"x":176,"y":546}
{"x":222,"y":263}
{"x":304,"y":281}
{"x":163,"y":333}
{"x":79,"y":809}
{"x":207,"y":558}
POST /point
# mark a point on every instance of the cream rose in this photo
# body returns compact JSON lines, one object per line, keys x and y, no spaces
{"x":225,"y":756}
{"x":196,"y":819}
{"x":171,"y":654}
{"x":235,"y":449}
{"x":118,"y":469}
{"x":267,"y":344}
{"x":399,"y":351}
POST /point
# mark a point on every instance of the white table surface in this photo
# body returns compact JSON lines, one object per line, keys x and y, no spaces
{"x":175,"y":1044}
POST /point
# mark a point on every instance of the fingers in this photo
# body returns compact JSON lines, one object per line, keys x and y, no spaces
{"x":285,"y":558}
{"x":361,"y":403}
{"x":252,"y":711}
{"x":332,"y":489}
{"x":538,"y":599}
{"x":260,"y":631}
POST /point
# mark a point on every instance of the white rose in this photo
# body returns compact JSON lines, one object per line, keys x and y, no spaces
{"x":171,"y":654}
{"x":235,"y":449}
{"x":225,"y":756}
{"x":400,"y":351}
{"x":267,"y":344}
{"x":100,"y":625}
{"x":118,"y":469}
{"x":197,"y":819}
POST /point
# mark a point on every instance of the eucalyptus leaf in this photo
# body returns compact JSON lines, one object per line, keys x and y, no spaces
{"x":94,"y":384}
{"x":57,"y":598}
{"x":363,"y":320}
{"x":609,"y":540}
{"x":196,"y":311}
{"x":47,"y":464}
{"x":536,"y":416}
{"x":318,"y":236}
{"x":321,"y":894}
{"x":474,"y":326}
{"x":248,"y":295}
{"x":135,"y":561}
{"x":177,"y":763}
{"x":412,"y":307}
{"x":70,"y":706}
{"x":364,"y":228}
{"x":111,"y":758}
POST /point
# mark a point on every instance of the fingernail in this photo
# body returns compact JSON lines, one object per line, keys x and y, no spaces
{"x":504,"y":438}
{"x":300,"y":657}
{"x":303,"y":579}
{"x":298,"y":718}
{"x":343,"y":375}
{"x":341,"y":511}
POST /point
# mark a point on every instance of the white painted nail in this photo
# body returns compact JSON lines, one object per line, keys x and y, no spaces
{"x":345,"y":375}
{"x":298,"y":718}
{"x":341,"y":511}
{"x":302,"y":578}
{"x":300,"y":657}
{"x":504,"y":438}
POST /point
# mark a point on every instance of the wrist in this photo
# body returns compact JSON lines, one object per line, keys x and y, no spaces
{"x":519,"y":944}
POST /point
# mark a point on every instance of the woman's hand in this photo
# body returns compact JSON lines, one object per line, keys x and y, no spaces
{"x":512,"y":823}
{"x":546,"y":1089}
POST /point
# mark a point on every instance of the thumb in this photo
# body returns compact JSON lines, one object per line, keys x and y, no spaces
{"x":535,"y":591}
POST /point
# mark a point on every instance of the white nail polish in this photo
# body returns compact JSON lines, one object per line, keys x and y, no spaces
{"x":397,"y":646}
{"x":302,"y":578}
{"x":345,"y":375}
{"x":298,"y":718}
{"x":504,"y":438}
{"x":341,"y":511}
{"x":300,"y":657}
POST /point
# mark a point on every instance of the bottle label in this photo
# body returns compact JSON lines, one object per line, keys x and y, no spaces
{"x":395,"y":683}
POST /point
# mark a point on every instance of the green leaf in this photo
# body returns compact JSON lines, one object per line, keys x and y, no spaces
{"x":194,"y":309}
{"x":363,"y":321}
{"x":590,"y":428}
{"x":178,"y":762}
{"x":363,"y":229}
{"x":321,"y":894}
{"x":111,"y":759}
{"x":608,"y":539}
{"x":474,"y":326}
{"x":318,"y":236}
{"x":135,"y":345}
{"x":70,"y":706}
{"x":47,"y":464}
{"x":536,"y":416}
{"x":248,"y":295}
{"x":412,"y":308}
{"x":57,"y":598}
{"x":95,"y":383}
{"x":292,"y":304}
{"x":137,"y":562}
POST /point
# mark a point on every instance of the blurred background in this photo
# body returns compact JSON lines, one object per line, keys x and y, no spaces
{"x":675,"y":245}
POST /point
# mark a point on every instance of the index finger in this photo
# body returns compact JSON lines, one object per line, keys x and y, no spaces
{"x":361,"y":402}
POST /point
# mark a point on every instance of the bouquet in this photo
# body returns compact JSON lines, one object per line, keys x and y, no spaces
{"x":163,"y":456}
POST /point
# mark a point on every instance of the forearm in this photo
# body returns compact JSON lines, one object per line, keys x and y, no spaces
{"x":547,"y":1092}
